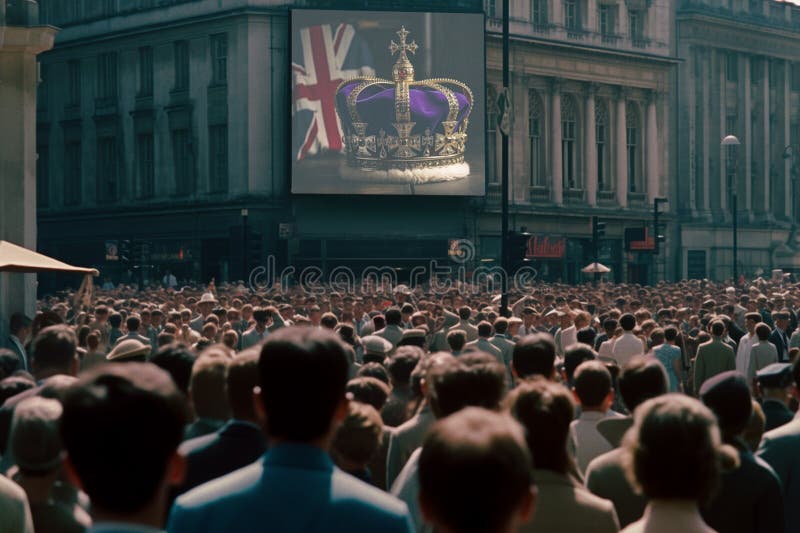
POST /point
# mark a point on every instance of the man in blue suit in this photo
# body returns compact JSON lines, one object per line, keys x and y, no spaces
{"x":779,"y":336}
{"x":295,"y":487}
{"x":240,"y":441}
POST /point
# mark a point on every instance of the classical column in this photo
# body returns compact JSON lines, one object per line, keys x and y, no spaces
{"x":590,"y":146}
{"x":555,"y":141}
{"x":784,"y":113}
{"x":766,"y":147}
{"x":745,"y":174}
{"x":691,"y":141}
{"x":621,"y":163}
{"x":652,"y":148}
{"x":19,"y":47}
{"x":706,"y":143}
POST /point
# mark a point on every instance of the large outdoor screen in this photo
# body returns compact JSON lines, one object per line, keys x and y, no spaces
{"x":387,"y":103}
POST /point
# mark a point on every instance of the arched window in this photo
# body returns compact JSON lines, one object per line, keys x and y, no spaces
{"x":491,"y":134}
{"x":604,"y":182}
{"x":634,"y":149}
{"x":535,"y":142}
{"x":569,"y":136}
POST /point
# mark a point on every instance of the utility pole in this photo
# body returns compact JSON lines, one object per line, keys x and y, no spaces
{"x":504,"y":170}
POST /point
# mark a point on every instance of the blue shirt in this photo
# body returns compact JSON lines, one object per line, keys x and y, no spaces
{"x":666,"y":355}
{"x":293,"y":488}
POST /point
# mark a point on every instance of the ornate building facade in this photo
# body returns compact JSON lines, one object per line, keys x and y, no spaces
{"x":590,"y":85}
{"x":739,"y":76}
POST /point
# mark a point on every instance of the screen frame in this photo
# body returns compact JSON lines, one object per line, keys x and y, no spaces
{"x":290,"y":102}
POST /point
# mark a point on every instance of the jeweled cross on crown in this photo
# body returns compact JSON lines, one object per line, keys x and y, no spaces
{"x":403,"y":47}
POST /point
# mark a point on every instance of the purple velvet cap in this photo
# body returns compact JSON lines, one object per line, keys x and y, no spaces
{"x":375,"y":105}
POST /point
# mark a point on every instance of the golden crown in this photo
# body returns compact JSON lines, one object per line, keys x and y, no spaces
{"x":421,"y":137}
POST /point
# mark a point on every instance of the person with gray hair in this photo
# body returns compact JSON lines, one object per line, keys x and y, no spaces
{"x":36,"y":446}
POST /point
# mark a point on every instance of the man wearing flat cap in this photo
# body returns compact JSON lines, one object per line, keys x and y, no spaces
{"x":375,"y":349}
{"x":775,"y":384}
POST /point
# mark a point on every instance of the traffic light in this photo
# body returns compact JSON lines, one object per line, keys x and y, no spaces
{"x":517,"y":247}
{"x":658,"y":238}
{"x":598,"y":228}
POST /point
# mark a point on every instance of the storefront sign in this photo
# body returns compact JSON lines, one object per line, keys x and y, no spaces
{"x":545,"y":247}
{"x":639,"y":239}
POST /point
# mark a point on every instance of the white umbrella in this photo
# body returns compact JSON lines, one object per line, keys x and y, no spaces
{"x":596,"y":268}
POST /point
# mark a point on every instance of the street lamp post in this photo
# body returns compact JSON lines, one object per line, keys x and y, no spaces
{"x":731,"y":142}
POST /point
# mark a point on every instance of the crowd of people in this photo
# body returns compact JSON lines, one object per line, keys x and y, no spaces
{"x":377,"y":408}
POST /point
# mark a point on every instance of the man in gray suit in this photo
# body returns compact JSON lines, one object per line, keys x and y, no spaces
{"x":464,"y":314}
{"x":393,"y":332}
{"x":260,"y":330}
{"x":132,"y":323}
{"x":482,"y":343}
{"x":713,"y":357}
{"x":500,"y":341}
{"x":779,"y":449}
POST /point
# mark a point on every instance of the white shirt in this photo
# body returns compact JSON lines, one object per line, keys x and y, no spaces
{"x":743,"y":353}
{"x":626,"y":347}
{"x":607,"y":348}
{"x":569,"y":337}
{"x":24,"y":363}
{"x":585,"y":441}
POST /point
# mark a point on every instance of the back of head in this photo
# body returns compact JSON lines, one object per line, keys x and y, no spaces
{"x":464,"y":312}
{"x":54,"y":350}
{"x":314,"y":359}
{"x":374,"y":370}
{"x":456,"y":339}
{"x":393,"y":316}
{"x":402,"y":363}
{"x":586,"y":336}
{"x":484,"y":329}
{"x":177,"y":359}
{"x":35,"y":441}
{"x":500,"y":326}
{"x":241,"y":378}
{"x":141,"y":415}
{"x":132,"y":323}
{"x":763,"y":331}
{"x":575,"y":355}
{"x":207,"y":387}
{"x":641,"y":378}
{"x":546,"y":410}
{"x":673,"y":449}
{"x":359,"y":435}
{"x":627,"y":322}
{"x":670,"y":333}
{"x":717,"y":328}
{"x":476,"y":380}
{"x":474,"y":472}
{"x":9,"y":363}
{"x":369,"y":390}
{"x":728,"y":396}
{"x":115,"y":320}
{"x":535,"y":355}
{"x":329,"y":321}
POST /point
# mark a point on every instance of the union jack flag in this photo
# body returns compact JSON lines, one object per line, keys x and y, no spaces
{"x":322,"y":57}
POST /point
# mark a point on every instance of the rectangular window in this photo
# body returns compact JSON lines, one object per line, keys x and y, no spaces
{"x":219,"y":59}
{"x":146,"y":71}
{"x":732,"y":67}
{"x":74,"y":89}
{"x":181,"y":159}
{"x":72,"y":172}
{"x":107,"y":157}
{"x":535,"y":141}
{"x":491,"y":8}
{"x":571,"y":16}
{"x":633,"y":177}
{"x":43,"y":176}
{"x":636,"y":27}
{"x":107,"y":75}
{"x":218,"y":158}
{"x":796,"y":76}
{"x":568,"y":153}
{"x":607,"y":28}
{"x":600,"y":138}
{"x":755,"y":70}
{"x":145,"y":163}
{"x":181,"y":51}
{"x":539,"y":12}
